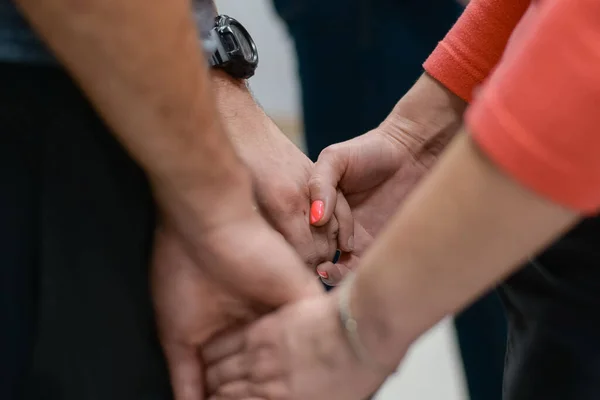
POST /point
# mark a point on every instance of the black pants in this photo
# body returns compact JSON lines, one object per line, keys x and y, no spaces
{"x":76,"y":228}
{"x":553,"y":307}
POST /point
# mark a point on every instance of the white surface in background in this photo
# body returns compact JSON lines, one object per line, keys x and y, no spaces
{"x":432,"y":369}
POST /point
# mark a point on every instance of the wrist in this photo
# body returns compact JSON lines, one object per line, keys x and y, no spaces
{"x":244,"y":120}
{"x":383,"y":330}
{"x":233,"y":98}
{"x":198,"y":203}
{"x":426,"y":118}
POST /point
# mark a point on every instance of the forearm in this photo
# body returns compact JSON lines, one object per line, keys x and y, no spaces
{"x":427,"y":117}
{"x":241,"y":114}
{"x":245,"y":121}
{"x":142,"y":67}
{"x":465,"y":228}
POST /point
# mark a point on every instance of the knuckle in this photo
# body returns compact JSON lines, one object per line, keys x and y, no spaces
{"x":286,"y":200}
{"x":329,"y":153}
{"x":319,"y":184}
{"x":312,"y":259}
{"x":333,"y":229}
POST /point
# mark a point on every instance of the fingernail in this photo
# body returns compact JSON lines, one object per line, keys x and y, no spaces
{"x":317,"y":209}
{"x":323,"y":274}
{"x":351,"y":243}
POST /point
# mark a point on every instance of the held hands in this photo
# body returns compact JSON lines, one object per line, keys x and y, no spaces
{"x":206,"y":283}
{"x":297,"y":353}
{"x":374,"y":172}
{"x":280,"y":175}
{"x":216,"y":282}
{"x":301,"y":352}
{"x":203,"y":292}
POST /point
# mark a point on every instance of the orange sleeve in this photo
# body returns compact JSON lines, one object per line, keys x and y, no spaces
{"x":538,"y":117}
{"x":474,"y":45}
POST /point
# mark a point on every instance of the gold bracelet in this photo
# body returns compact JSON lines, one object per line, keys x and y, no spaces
{"x":350,"y":326}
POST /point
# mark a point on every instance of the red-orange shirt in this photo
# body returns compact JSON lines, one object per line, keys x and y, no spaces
{"x":537,"y":115}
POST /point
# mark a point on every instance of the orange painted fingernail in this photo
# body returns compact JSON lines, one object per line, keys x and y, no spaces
{"x":317,"y":209}
{"x":323,"y":274}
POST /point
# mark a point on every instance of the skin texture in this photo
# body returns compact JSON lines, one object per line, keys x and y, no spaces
{"x":483,"y":225}
{"x":376,"y":171}
{"x":194,"y":300}
{"x":280,"y":173}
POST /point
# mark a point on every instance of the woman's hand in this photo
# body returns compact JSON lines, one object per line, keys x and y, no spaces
{"x":376,"y":171}
{"x":297,"y":353}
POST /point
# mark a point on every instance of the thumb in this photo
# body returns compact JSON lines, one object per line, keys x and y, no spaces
{"x":327,"y":173}
{"x":185,"y":369}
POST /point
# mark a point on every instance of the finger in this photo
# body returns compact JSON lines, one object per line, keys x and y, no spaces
{"x":186,"y":372}
{"x":304,"y":239}
{"x":325,"y":240}
{"x":230,"y":398}
{"x":327,"y":172}
{"x":223,"y":346}
{"x":235,"y":390}
{"x":248,"y":390}
{"x":332,"y":274}
{"x":362,"y":240}
{"x":257,"y":366}
{"x":217,"y":397}
{"x":347,"y":263}
{"x":231,"y":369}
{"x":343,"y":214}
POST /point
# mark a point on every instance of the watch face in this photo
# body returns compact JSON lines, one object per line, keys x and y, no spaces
{"x":245,"y":46}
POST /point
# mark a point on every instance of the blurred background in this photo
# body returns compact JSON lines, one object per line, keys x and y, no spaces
{"x":333,"y":69}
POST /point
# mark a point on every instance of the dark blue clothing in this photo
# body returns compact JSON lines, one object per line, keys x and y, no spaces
{"x":76,"y":230}
{"x":554,"y":318}
{"x":18,"y":43}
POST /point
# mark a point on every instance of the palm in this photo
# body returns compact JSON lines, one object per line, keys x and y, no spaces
{"x":379,"y":175}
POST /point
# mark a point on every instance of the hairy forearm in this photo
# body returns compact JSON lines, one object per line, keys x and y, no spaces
{"x":465,"y":228}
{"x":238,"y":109}
{"x":426,"y":117}
{"x":243,"y":118}
{"x":141,"y":65}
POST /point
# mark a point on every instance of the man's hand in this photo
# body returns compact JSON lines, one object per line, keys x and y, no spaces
{"x":227,"y":278}
{"x":280,"y":174}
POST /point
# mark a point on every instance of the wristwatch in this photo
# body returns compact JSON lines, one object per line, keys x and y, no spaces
{"x":235,"y":51}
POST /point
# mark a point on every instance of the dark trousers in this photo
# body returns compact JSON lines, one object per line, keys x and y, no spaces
{"x":553,"y":308}
{"x":76,"y":229}
{"x":355,"y":60}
